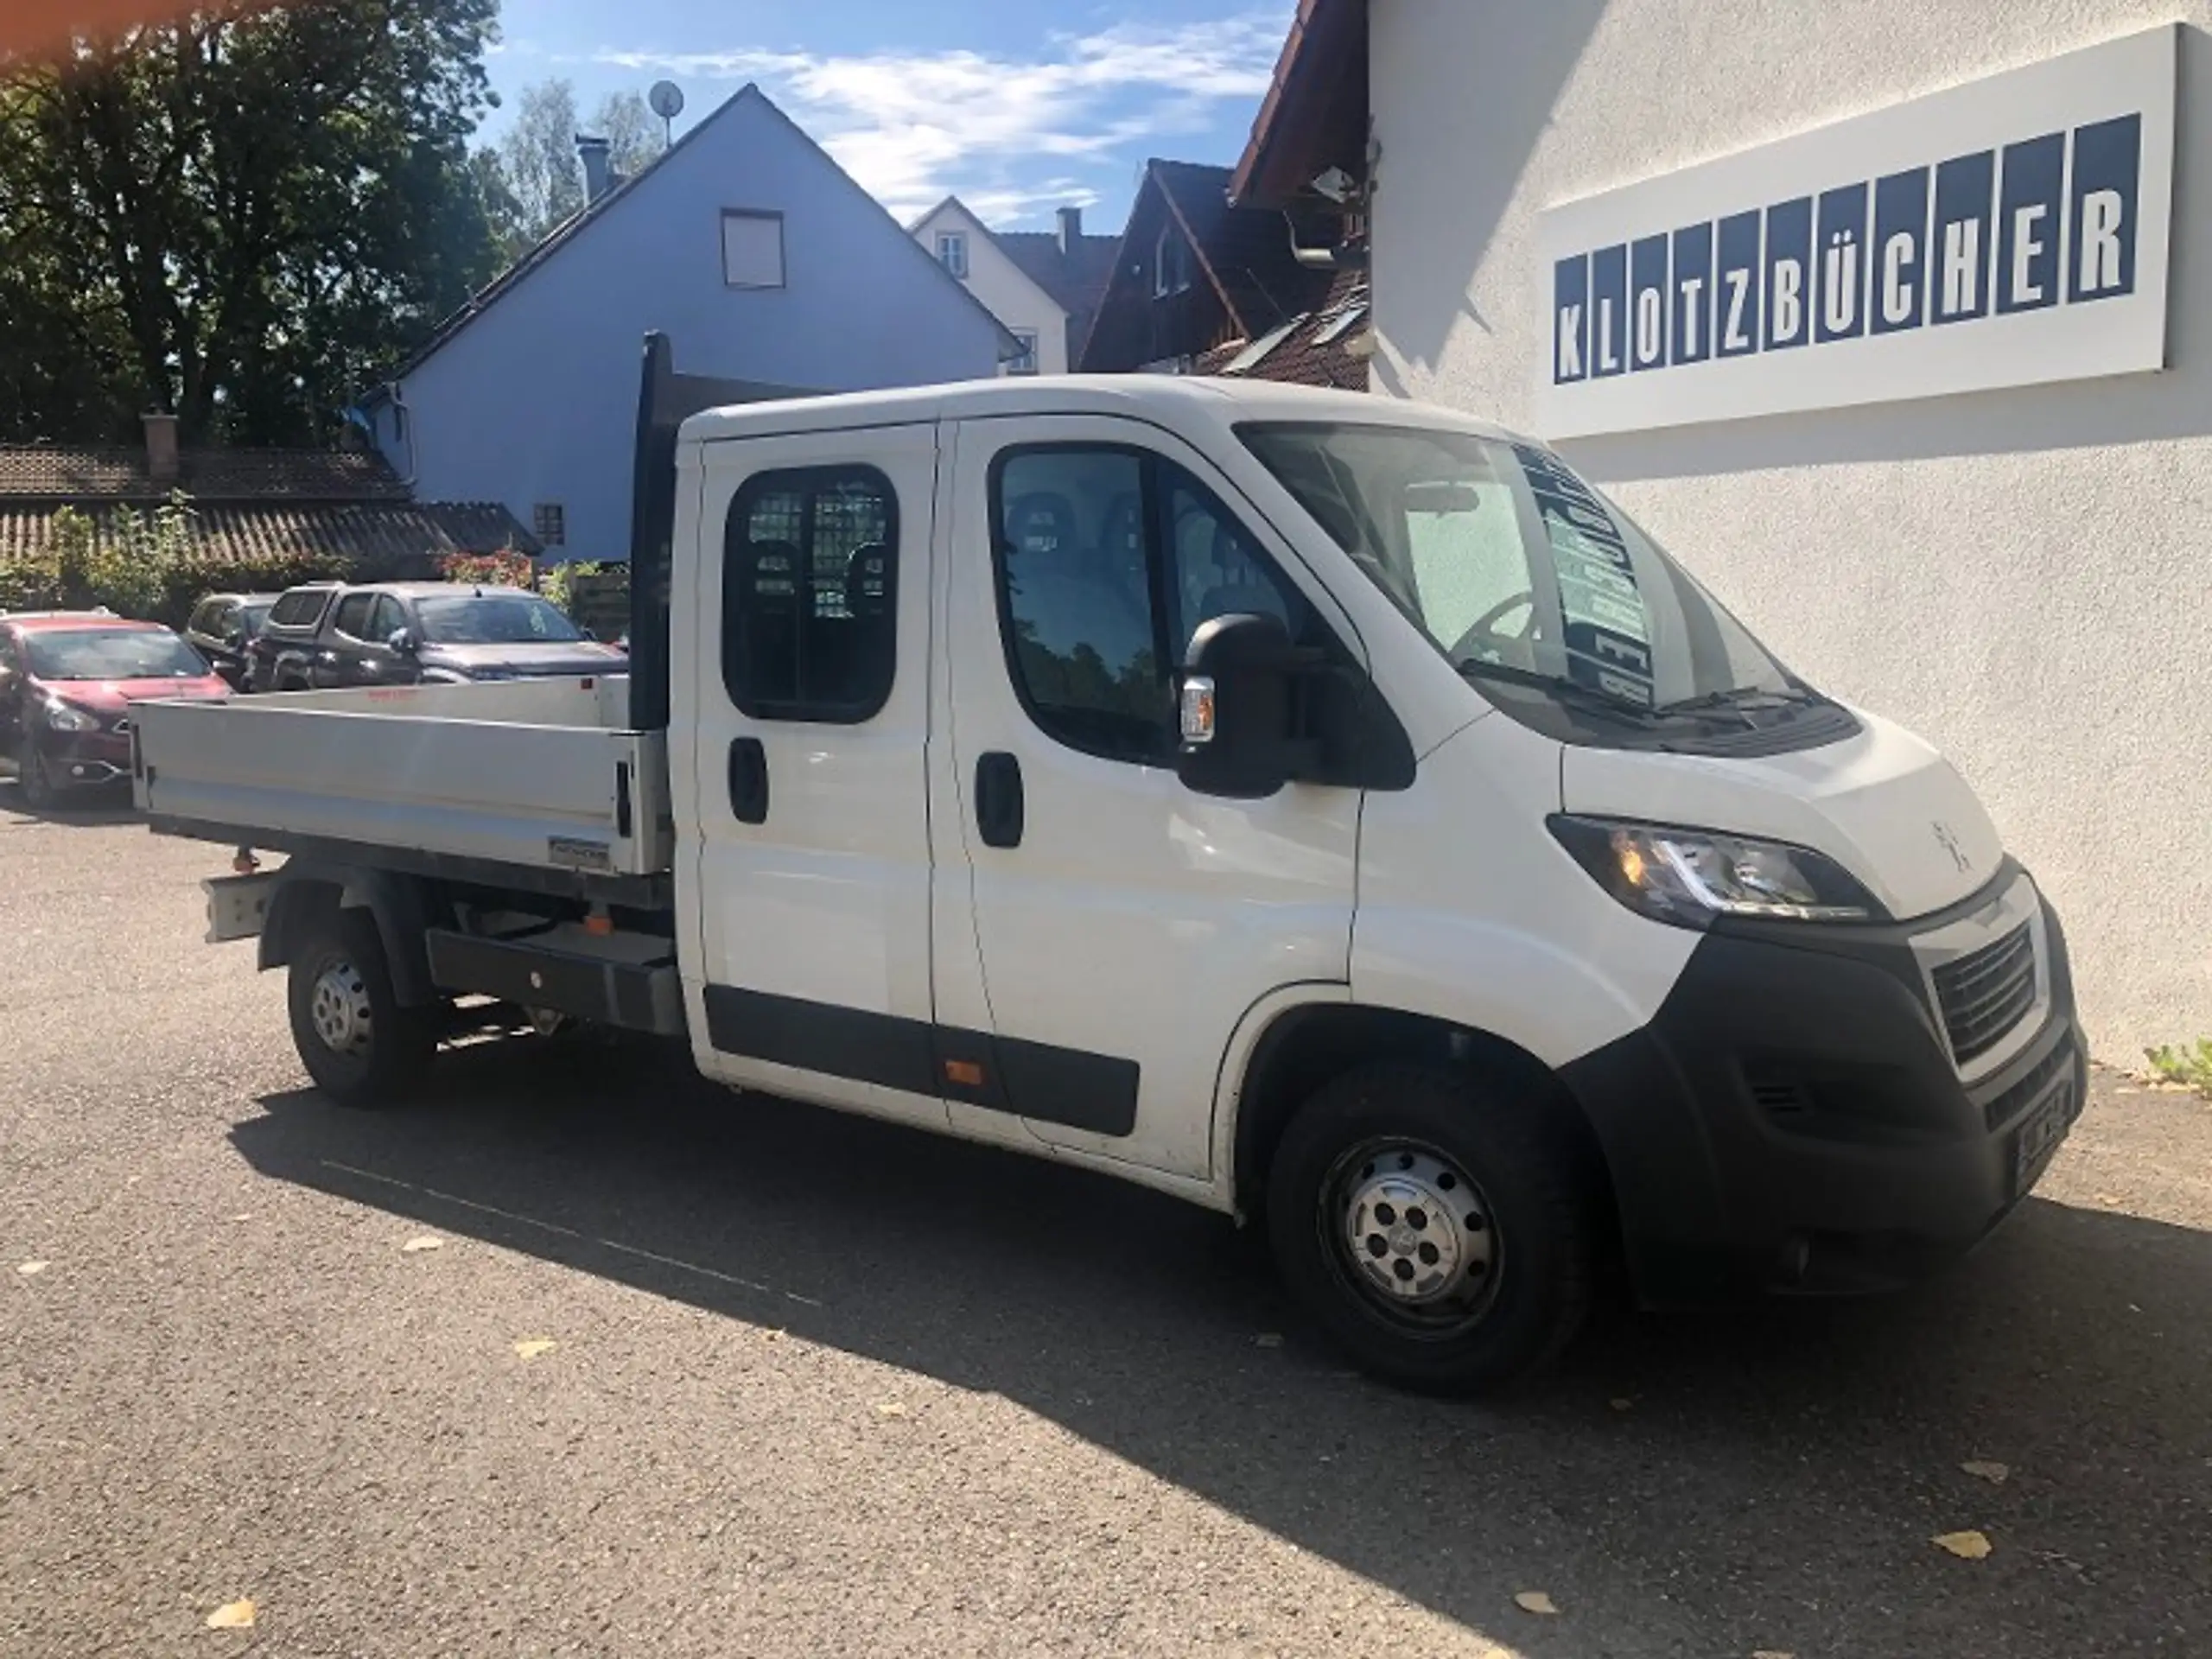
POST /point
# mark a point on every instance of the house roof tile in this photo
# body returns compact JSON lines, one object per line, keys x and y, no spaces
{"x":50,"y":472}
{"x":369,"y":532}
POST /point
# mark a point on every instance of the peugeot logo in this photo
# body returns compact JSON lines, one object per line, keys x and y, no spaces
{"x":1949,"y":842}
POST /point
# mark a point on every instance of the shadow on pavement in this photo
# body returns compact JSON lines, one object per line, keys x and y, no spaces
{"x":1773,"y":1481}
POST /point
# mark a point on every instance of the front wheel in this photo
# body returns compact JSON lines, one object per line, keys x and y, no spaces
{"x":361,"y":1046}
{"x":1439,"y":1228}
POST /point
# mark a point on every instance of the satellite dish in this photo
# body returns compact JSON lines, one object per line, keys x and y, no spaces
{"x":666,"y":100}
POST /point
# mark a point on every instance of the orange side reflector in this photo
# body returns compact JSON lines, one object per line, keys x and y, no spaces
{"x":599,"y":925}
{"x":966,"y":1073}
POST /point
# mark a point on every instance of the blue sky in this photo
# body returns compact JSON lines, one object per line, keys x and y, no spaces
{"x":1015,"y":106}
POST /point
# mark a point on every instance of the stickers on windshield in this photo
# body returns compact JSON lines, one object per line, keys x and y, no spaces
{"x":1608,"y":637}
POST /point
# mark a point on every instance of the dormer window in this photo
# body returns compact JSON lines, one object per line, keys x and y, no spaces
{"x":1171,"y":264}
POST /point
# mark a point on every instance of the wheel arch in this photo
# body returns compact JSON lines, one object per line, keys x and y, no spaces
{"x":402,"y":906}
{"x":1293,"y":1045}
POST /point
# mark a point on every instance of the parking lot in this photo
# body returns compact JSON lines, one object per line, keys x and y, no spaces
{"x":817,"y":1386}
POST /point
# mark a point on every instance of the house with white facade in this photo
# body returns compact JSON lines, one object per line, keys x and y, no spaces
{"x":1044,"y":285}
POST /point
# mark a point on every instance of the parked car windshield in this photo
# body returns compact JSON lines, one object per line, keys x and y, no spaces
{"x":494,"y":619}
{"x":112,"y":654}
{"x":1522,"y":574}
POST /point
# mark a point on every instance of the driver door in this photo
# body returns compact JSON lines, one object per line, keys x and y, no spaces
{"x":1122,"y":924}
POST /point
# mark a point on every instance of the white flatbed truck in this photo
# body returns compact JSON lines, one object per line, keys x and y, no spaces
{"x":1327,"y":810}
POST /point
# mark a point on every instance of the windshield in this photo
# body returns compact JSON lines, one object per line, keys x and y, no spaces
{"x":494,"y":619}
{"x":1521,"y":573}
{"x":113,"y":654}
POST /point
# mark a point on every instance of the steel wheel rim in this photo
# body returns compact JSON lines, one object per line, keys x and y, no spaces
{"x":339,"y":1008}
{"x":1412,"y":1235}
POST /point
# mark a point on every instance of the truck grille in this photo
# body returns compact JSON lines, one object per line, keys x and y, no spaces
{"x":1983,"y":994}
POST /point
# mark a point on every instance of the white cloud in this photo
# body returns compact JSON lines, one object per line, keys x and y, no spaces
{"x":915,"y":128}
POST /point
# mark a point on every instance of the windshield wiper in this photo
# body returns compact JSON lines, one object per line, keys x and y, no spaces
{"x":1476,"y":669}
{"x":1745,"y":697}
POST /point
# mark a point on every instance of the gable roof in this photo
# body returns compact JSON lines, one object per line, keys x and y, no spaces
{"x":1074,"y":279}
{"x":1245,"y":253}
{"x":592,"y":212}
{"x":1315,"y":113}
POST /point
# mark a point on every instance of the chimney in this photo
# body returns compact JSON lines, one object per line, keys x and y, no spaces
{"x":161,"y":446}
{"x":1070,"y":229}
{"x":598,"y":174}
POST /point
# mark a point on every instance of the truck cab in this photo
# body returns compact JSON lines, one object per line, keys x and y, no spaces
{"x":1330,"y":810}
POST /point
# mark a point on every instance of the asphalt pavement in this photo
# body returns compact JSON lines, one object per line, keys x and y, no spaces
{"x":581,"y":1356}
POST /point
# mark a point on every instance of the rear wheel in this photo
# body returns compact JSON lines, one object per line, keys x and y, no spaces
{"x":1439,"y":1228}
{"x":361,"y":1046}
{"x":32,"y":777}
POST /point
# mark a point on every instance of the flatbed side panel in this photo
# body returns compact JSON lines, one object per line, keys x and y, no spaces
{"x":571,"y":798}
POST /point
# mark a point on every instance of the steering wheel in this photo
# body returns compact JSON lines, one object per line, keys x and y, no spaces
{"x":1482,"y":636}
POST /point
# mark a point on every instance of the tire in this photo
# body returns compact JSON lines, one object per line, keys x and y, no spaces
{"x":32,"y":778}
{"x":1469,"y":1199}
{"x":360,"y":1045}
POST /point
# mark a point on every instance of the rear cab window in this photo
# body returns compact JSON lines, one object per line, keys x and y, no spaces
{"x":301,"y":608}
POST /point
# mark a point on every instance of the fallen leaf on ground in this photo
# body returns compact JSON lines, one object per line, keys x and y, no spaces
{"x":1969,"y":1545}
{"x":428,"y":1242}
{"x":531,"y":1347}
{"x":232,"y":1616}
{"x":889,"y":1408}
{"x":1983,"y":1469}
{"x":27,"y":1268}
{"x":1534,"y":1601}
{"x":1267,"y":1339}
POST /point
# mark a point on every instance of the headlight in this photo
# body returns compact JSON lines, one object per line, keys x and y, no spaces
{"x":65,"y":717}
{"x":1689,"y":877}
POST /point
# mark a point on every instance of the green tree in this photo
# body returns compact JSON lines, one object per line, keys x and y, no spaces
{"x":632,"y":131}
{"x":531,"y":179}
{"x":537,"y":162}
{"x":240,"y":216}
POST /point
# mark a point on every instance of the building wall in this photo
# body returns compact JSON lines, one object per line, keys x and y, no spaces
{"x":536,"y":400}
{"x":2025,"y":577}
{"x":999,"y":284}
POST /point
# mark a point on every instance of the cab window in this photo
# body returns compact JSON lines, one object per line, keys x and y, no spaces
{"x":1108,"y":559}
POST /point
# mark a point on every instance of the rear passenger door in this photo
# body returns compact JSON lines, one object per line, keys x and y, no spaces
{"x":337,"y":655}
{"x":809,"y":878}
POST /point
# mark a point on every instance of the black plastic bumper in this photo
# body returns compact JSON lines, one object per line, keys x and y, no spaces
{"x":85,"y":760}
{"x":1792,"y":1119}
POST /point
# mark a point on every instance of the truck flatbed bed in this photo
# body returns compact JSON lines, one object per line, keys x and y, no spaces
{"x":531,"y":782}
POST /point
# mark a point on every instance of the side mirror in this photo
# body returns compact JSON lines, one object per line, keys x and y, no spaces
{"x":404,"y":642}
{"x":1236,"y":700}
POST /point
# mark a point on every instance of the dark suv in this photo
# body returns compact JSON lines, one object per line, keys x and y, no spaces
{"x":222,"y":629}
{"x":400,"y":632}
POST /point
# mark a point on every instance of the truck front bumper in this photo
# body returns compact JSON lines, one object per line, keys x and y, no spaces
{"x":1794,"y":1118}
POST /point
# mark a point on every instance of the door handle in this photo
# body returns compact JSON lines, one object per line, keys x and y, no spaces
{"x":748,"y":780}
{"x":998,"y":799}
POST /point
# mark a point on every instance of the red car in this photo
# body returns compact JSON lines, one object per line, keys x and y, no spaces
{"x":67,"y":680}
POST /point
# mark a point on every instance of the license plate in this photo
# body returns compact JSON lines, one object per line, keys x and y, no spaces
{"x":2039,"y":1136}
